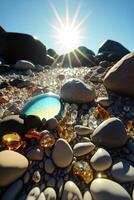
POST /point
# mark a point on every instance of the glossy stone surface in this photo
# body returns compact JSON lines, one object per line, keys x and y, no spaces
{"x":46,"y":106}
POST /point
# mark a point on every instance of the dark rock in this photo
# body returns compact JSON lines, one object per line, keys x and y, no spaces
{"x":19,"y":46}
{"x":20,"y":83}
{"x":2,"y":29}
{"x":111,"y":51}
{"x":4,"y":68}
{"x":31,"y":122}
{"x":120,"y":78}
{"x":52,"y":53}
{"x":81,"y":56}
{"x":12,"y":123}
{"x":4,"y":84}
{"x":49,"y":60}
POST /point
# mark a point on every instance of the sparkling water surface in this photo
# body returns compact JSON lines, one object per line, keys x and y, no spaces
{"x":44,"y":106}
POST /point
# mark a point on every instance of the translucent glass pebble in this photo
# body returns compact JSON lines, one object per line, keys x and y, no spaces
{"x":84,"y":170}
{"x":46,"y":106}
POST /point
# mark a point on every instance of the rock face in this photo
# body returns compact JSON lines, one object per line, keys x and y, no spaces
{"x":83,"y":148}
{"x":12,"y":166}
{"x":76,"y":91}
{"x":110,"y":133}
{"x":31,"y":49}
{"x":71,"y":191}
{"x":111,"y":50}
{"x":101,"y":160}
{"x":104,"y":189}
{"x":120,"y":77}
{"x":11,"y":123}
{"x":123,"y":171}
{"x":62,"y":154}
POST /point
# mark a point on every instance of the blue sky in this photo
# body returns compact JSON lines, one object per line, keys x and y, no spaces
{"x":108,"y":19}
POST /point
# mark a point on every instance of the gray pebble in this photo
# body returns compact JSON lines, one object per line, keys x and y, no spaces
{"x":49,"y":166}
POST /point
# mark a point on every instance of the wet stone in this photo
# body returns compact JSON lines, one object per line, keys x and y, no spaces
{"x":33,"y":194}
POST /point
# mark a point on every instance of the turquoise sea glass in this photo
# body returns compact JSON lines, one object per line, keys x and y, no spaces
{"x":46,"y":106}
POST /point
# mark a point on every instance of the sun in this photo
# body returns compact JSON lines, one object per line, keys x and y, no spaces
{"x":69,"y":38}
{"x":68,"y":33}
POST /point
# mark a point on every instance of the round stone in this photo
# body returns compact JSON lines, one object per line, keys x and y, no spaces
{"x":33,"y":194}
{"x":24,"y":65}
{"x":101,"y":160}
{"x":82,"y":130}
{"x":36,"y":153}
{"x":123,"y":171}
{"x":108,"y":132}
{"x":49,"y":166}
{"x":62,"y":154}
{"x":83,"y":148}
{"x":104,"y":189}
{"x":12,"y":166}
{"x":52,"y":123}
{"x":46,"y":106}
{"x":71,"y":191}
{"x":87,"y":196}
{"x":76,"y":91}
{"x":50,"y":193}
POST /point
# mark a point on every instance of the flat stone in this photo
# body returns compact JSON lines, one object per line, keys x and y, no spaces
{"x":71,"y":191}
{"x":49,"y":166}
{"x":101,"y":160}
{"x":33,"y":194}
{"x":62,"y":153}
{"x":82,"y":130}
{"x":104,"y":189}
{"x":12,"y":166}
{"x":83,"y":148}
{"x":76,"y":91}
{"x":23,"y":65}
{"x":50,"y":193}
{"x":36,"y":153}
{"x":123,"y":171}
{"x":87,"y":196}
{"x":110,"y":133}
{"x":13,"y":190}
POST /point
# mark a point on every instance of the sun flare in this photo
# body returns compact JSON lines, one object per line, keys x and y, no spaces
{"x":68,"y":38}
{"x":69,"y":32}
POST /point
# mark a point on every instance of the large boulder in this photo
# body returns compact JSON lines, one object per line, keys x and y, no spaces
{"x":2,"y":29}
{"x":82,"y":56}
{"x":120,"y":78}
{"x":111,"y":51}
{"x":19,"y":46}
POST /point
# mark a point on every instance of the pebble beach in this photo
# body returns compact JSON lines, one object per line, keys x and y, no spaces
{"x":84,"y":153}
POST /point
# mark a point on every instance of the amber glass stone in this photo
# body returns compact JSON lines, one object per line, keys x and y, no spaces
{"x":129,"y":125}
{"x":47,"y":139}
{"x":84,"y":170}
{"x":65,"y":130}
{"x":12,"y":141}
{"x":102,"y":113}
{"x":33,"y":134}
